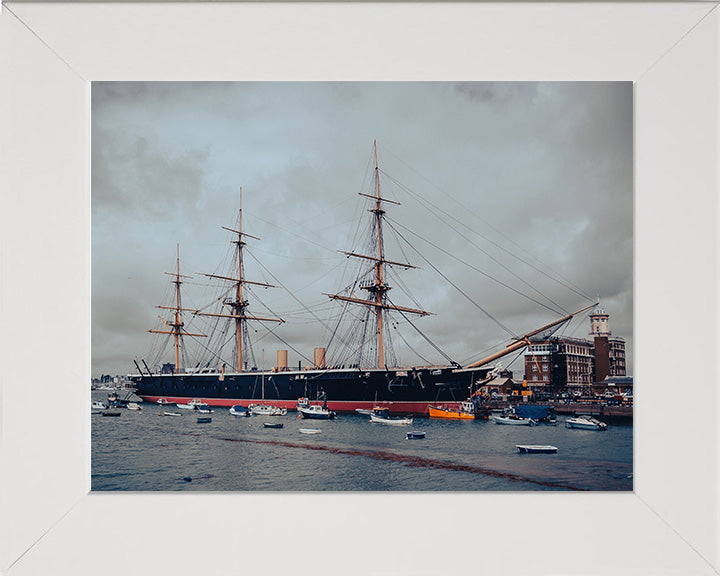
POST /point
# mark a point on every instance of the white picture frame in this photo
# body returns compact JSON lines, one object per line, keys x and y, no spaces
{"x":50,"y":523}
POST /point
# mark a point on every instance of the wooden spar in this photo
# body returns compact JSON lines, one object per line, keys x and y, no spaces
{"x":523,"y":340}
{"x":403,"y":264}
{"x":239,"y":280}
{"x":380,"y":305}
{"x":381,"y":199}
{"x":235,"y":231}
{"x":174,"y":308}
{"x":239,"y":316}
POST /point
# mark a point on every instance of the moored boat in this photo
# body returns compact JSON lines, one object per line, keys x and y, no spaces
{"x":540,"y":414}
{"x":536,"y":449}
{"x":317,"y":412}
{"x":170,"y":414}
{"x":238,"y":410}
{"x":585,"y":423}
{"x":97,"y":405}
{"x":510,"y":418}
{"x":110,"y":414}
{"x":266,"y":410}
{"x":382,"y":416}
{"x":273,"y":424}
{"x":133,"y":406}
{"x":463,"y":412}
{"x":415,"y":435}
{"x":204,"y":419}
{"x":191,"y":405}
{"x":309,"y":431}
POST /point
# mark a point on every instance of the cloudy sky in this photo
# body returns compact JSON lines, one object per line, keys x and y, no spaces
{"x":519,"y":194}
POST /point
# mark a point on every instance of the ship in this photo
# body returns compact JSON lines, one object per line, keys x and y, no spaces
{"x":371,"y":381}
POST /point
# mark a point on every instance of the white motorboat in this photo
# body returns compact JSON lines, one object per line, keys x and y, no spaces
{"x":309,"y":431}
{"x":585,"y":423}
{"x":162,"y":401}
{"x":266,"y":410}
{"x":133,"y":406}
{"x":382,"y":416}
{"x":97,"y":405}
{"x":170,"y":414}
{"x":363,"y":411}
{"x":514,"y":420}
{"x":190,"y":405}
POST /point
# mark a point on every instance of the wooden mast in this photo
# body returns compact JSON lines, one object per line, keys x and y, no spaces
{"x":378,"y":289}
{"x":239,"y":303}
{"x":238,"y":306}
{"x":175,"y":326}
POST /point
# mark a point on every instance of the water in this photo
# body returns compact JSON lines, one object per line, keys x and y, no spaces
{"x":141,"y":451}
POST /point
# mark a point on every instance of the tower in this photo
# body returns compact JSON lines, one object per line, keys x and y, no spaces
{"x":600,"y":328}
{"x":599,"y":325}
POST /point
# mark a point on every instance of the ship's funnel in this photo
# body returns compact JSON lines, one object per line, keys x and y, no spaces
{"x":282,"y":356}
{"x":319,"y":358}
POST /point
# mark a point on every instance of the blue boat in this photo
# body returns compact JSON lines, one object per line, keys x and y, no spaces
{"x":541,"y":414}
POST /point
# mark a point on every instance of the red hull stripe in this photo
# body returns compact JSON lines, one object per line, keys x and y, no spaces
{"x":339,"y":406}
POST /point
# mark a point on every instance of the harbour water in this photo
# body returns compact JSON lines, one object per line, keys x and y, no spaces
{"x":143,"y":451}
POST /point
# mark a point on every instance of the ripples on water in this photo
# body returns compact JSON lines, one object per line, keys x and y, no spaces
{"x":141,"y":451}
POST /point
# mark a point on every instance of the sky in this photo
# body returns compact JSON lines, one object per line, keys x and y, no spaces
{"x":515,"y":205}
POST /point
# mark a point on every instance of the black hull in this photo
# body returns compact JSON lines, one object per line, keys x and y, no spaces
{"x":409,"y":391}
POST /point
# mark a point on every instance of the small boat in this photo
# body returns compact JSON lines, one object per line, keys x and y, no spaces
{"x":309,"y":431}
{"x":536,"y":449}
{"x":192,"y":405}
{"x":585,"y":423}
{"x":162,"y":401}
{"x":317,"y":412}
{"x":170,"y":414}
{"x":363,"y":411}
{"x":273,"y":424}
{"x":514,"y":420}
{"x":204,"y":420}
{"x":239,"y":410}
{"x":97,"y":405}
{"x":510,"y":417}
{"x":415,"y":435}
{"x":382,"y":416}
{"x":203,"y":408}
{"x":133,"y":406}
{"x":266,"y":410}
{"x":540,"y":414}
{"x":112,"y":414}
{"x":465,"y":411}
{"x":302,"y":403}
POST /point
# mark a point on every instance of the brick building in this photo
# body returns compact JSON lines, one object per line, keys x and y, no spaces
{"x":575,"y":364}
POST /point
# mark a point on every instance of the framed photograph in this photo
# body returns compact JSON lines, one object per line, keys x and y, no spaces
{"x":52,"y":53}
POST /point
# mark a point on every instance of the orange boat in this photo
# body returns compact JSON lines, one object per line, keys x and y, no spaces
{"x":465,"y":412}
